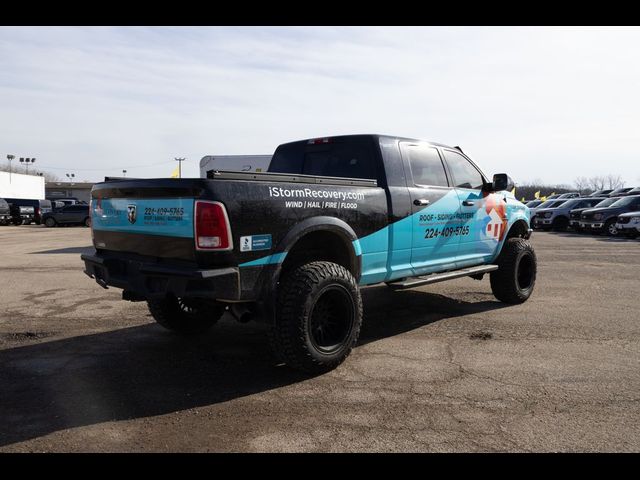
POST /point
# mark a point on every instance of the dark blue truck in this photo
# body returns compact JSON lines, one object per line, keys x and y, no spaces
{"x":293,"y":245}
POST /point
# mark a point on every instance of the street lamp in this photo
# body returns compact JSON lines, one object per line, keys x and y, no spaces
{"x":71,"y":176}
{"x":27,"y":161}
{"x":10,"y":158}
{"x":180,"y":160}
{"x":124,"y":173}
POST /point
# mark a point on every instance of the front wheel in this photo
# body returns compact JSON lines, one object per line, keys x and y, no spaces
{"x":515,"y":278}
{"x":560,"y":224}
{"x":50,"y":222}
{"x":318,"y":317}
{"x":185,"y":315}
{"x":610,"y":228}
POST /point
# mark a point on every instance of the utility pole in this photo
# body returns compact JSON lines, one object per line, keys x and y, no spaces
{"x":10,"y":158}
{"x":180,"y":160}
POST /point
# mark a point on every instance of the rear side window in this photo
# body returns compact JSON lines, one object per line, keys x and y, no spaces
{"x":426,"y":165}
{"x":350,"y":159}
{"x":465,"y":175}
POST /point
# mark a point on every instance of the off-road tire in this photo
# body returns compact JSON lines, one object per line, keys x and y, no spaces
{"x":318,"y":317}
{"x":50,"y":222}
{"x":185,"y":316}
{"x":515,"y":278}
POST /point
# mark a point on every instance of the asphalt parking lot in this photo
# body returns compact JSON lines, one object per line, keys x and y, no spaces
{"x":439,"y":368}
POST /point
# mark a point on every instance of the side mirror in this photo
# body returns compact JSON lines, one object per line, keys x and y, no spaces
{"x":501,"y":182}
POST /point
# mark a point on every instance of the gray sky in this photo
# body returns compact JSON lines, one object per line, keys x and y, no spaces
{"x":545,"y":103}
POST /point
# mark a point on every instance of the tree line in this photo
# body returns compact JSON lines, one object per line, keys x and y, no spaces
{"x":48,"y":176}
{"x":582,"y":185}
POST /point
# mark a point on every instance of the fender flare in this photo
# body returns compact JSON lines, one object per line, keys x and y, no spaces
{"x":310,"y":225}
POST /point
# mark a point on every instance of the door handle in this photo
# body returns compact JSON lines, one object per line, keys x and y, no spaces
{"x":468,"y":203}
{"x":421,"y":201}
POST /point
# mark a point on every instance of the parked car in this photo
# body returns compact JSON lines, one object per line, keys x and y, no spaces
{"x":601,"y":193}
{"x":5,"y":212}
{"x":633,"y":191}
{"x":533,"y":203}
{"x":67,"y":200}
{"x":553,"y":197}
{"x":558,"y":218}
{"x":297,"y":243}
{"x":603,"y":219}
{"x":619,"y":192}
{"x":71,"y":214}
{"x":574,"y":215}
{"x":570,"y":195}
{"x":628,"y":224}
{"x":545,"y":204}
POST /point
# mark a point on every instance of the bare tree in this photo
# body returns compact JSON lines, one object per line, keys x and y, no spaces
{"x":597,"y":182}
{"x":582,"y":185}
{"x":615,"y":181}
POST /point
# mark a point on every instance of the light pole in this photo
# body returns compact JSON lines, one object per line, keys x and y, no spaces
{"x":124,"y":173}
{"x":10,"y":158}
{"x":180,"y":160}
{"x":27,"y":161}
{"x":71,"y":176}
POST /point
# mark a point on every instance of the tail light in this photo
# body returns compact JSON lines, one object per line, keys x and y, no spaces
{"x":212,"y":228}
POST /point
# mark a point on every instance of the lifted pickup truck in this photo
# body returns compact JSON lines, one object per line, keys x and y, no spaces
{"x":292,"y":246}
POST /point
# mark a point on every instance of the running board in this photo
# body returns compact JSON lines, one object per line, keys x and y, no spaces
{"x":441,"y":277}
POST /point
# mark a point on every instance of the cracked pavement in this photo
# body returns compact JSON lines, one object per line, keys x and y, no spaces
{"x":440,"y":368}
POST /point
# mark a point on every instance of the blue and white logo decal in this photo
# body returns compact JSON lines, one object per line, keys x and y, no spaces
{"x":251,"y":243}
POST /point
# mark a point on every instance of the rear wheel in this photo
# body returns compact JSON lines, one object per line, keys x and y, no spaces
{"x":185,"y":315}
{"x":515,"y":278}
{"x":318,"y":317}
{"x":50,"y":222}
{"x":87,"y":222}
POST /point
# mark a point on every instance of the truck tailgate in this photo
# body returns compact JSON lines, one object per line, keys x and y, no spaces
{"x":146,"y":217}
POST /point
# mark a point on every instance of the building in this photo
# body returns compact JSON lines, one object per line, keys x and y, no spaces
{"x":79,"y":190}
{"x":17,"y":185}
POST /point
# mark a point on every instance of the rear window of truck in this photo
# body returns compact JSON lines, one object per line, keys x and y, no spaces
{"x":349,"y":159}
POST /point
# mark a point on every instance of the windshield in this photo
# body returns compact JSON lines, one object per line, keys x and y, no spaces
{"x":571,"y":203}
{"x":607,"y":202}
{"x":623,"y":202}
{"x":533,"y":203}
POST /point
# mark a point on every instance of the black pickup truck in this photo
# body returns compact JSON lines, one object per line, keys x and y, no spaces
{"x":5,"y":212}
{"x":292,"y":246}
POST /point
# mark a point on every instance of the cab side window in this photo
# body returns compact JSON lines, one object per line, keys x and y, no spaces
{"x":465,"y":175}
{"x":426,"y":165}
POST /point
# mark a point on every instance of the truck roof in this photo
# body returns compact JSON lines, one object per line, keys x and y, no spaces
{"x":376,"y":136}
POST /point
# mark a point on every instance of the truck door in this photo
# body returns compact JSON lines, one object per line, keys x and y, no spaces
{"x":434,"y":245}
{"x":483,"y":215}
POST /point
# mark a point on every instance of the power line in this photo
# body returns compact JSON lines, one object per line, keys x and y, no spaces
{"x":107,"y":167}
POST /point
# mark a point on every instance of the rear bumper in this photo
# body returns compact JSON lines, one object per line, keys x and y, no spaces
{"x":141,"y":280}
